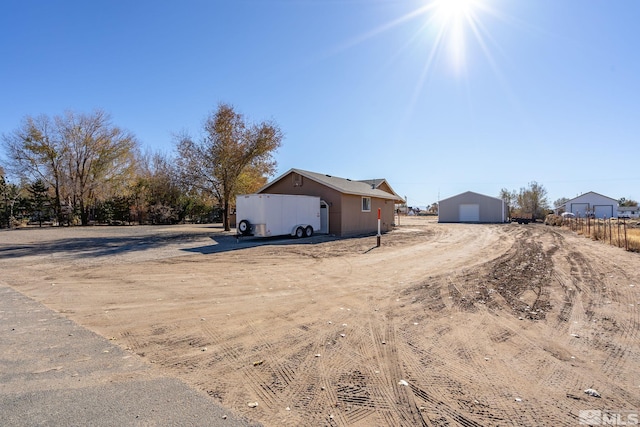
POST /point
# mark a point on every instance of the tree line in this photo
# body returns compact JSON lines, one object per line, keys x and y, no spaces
{"x":80,"y":168}
{"x":533,"y":200}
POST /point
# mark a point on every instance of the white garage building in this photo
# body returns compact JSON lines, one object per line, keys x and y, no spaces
{"x":473,"y":207}
{"x":594,"y":204}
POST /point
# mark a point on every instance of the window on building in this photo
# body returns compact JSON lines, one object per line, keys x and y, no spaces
{"x":366,"y":204}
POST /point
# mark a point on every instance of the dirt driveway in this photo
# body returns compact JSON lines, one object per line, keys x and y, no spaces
{"x":444,"y":324}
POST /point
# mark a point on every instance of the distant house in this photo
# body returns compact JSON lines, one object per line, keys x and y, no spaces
{"x":592,"y":204}
{"x":352,"y":204}
{"x":473,"y":207}
{"x":628,"y":212}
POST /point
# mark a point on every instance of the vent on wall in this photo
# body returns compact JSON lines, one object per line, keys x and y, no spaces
{"x":297,"y":180}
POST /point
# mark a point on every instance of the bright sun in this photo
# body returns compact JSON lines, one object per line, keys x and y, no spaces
{"x":453,"y":9}
{"x":446,"y":27}
{"x":455,"y":17}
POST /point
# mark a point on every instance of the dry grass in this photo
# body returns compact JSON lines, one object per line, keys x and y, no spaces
{"x":555,"y":220}
{"x":613,"y":232}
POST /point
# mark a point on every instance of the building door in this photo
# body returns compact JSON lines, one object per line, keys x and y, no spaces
{"x":579,"y":209}
{"x":324,"y":217}
{"x":469,"y":213}
{"x":603,"y":211}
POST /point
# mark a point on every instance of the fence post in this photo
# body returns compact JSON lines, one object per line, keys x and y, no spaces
{"x":626,"y":242}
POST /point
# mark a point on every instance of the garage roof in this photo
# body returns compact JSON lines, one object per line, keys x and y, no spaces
{"x":471,"y":192}
{"x":367,"y":188}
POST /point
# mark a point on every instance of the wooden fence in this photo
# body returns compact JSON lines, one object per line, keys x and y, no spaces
{"x":611,"y":230}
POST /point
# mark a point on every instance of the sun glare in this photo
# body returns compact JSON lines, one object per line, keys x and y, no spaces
{"x":440,"y":31}
{"x":453,"y":9}
{"x":446,"y":28}
{"x":455,"y":18}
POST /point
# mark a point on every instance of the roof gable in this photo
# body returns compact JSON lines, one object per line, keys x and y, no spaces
{"x":591,"y":193}
{"x":382,"y":184}
{"x":471,"y":192}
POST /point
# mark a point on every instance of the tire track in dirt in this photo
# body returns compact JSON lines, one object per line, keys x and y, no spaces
{"x":383,"y":343}
{"x":408,"y":412}
{"x":590,"y":291}
{"x":381,"y":377}
{"x":618,"y":342}
{"x":431,"y":380}
{"x":432,"y":368}
{"x":362,"y":381}
{"x":611,"y":337}
{"x":572,"y":326}
{"x":355,"y":386}
{"x":292,"y":377}
{"x":132,"y":343}
{"x":561,"y":370}
{"x":425,"y":309}
{"x":620,"y":345}
{"x":579,"y":293}
{"x":229,"y":355}
{"x":446,"y":297}
{"x":455,"y":379}
{"x":528,"y":257}
{"x":627,"y":296}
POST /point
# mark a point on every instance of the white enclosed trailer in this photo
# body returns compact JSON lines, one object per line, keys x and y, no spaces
{"x":265,"y":215}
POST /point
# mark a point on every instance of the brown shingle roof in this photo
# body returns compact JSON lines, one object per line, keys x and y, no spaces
{"x":366,"y":188}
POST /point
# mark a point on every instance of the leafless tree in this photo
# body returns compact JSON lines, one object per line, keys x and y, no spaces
{"x":560,"y":202}
{"x":510,"y":198}
{"x":534,"y":199}
{"x":157,"y":187}
{"x":231,"y":155}
{"x":81,"y":156}
{"x":35,"y":151}
{"x":530,"y":200}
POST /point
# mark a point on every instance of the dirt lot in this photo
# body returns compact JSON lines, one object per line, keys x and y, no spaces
{"x":444,"y":324}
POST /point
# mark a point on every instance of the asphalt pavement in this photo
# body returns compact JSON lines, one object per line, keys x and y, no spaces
{"x":54,"y":372}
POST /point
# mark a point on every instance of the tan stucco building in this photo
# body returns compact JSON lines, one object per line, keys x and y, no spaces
{"x":352,"y":205}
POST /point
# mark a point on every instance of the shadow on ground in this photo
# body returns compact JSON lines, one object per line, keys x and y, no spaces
{"x":80,"y":247}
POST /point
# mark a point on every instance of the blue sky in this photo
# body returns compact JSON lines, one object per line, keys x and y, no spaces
{"x":494,"y":94}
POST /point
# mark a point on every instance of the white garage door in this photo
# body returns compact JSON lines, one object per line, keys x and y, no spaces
{"x":603,"y":211}
{"x":579,"y":209}
{"x":469,"y":213}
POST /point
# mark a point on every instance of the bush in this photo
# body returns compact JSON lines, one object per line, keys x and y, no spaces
{"x":552,"y":219}
{"x":162,"y":214}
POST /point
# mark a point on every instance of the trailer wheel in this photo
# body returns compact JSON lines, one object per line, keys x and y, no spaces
{"x":308,"y":232}
{"x":299,"y":232}
{"x":244,"y":226}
